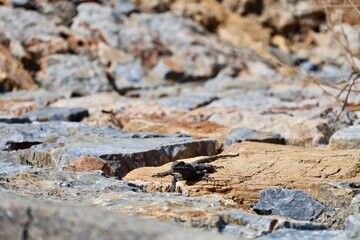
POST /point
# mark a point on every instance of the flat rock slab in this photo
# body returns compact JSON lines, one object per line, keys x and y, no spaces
{"x":36,"y":219}
{"x":57,"y":114}
{"x":59,"y":143}
{"x":346,"y":138}
{"x":289,"y":203}
{"x":247,"y":134}
{"x":285,"y":234}
{"x":260,"y":166}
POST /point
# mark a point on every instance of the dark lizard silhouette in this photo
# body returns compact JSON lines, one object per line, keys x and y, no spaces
{"x":198,"y":169}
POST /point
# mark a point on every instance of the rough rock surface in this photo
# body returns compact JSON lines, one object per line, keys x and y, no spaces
{"x":290,"y":203}
{"x":150,"y":82}
{"x":261,"y":166}
{"x":38,"y":220}
{"x":346,"y":138}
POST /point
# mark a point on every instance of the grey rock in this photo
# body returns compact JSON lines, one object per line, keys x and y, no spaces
{"x":295,"y":204}
{"x":252,"y":226}
{"x":286,"y":234}
{"x":62,"y":12}
{"x":247,"y":134}
{"x":353,"y":222}
{"x":58,"y":143}
{"x":44,"y":220}
{"x":12,"y":119}
{"x":72,"y":75}
{"x":122,"y":6}
{"x":186,"y":102}
{"x":346,"y":138}
{"x":27,"y":4}
{"x":197,"y":53}
{"x":57,"y":114}
{"x":123,"y":155}
{"x":33,"y":30}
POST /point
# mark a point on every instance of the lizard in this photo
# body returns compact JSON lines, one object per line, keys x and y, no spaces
{"x":197,"y":169}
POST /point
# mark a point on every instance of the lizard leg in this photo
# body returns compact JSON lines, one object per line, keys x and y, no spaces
{"x":163,"y":174}
{"x":173,"y":182}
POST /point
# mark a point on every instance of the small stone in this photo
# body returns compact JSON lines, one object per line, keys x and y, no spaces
{"x":58,"y":114}
{"x":247,"y":134}
{"x":11,"y":119}
{"x":290,"y":203}
{"x":89,"y":164}
{"x":346,"y":138}
{"x":353,"y":222}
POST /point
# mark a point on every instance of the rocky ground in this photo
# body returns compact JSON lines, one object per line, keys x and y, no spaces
{"x":255,"y":103}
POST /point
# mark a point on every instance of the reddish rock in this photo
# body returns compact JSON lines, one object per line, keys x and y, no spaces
{"x":13,"y":76}
{"x":89,"y":164}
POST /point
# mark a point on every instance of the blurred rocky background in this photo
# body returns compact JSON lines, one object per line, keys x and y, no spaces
{"x":97,"y":96}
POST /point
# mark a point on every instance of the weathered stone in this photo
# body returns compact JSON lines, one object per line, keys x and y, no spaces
{"x":13,"y":76}
{"x":58,"y":114}
{"x":208,"y":13}
{"x":36,"y":32}
{"x":260,"y":166}
{"x":247,"y":134}
{"x":290,"y":203}
{"x":61,"y":12}
{"x":11,"y":119}
{"x":346,"y":138}
{"x":88,"y":164}
{"x":285,"y":234}
{"x":186,"y":102}
{"x":58,"y":144}
{"x":353,"y":222}
{"x":48,"y":220}
{"x":252,"y":226}
{"x":72,"y":75}
{"x":123,"y":6}
{"x":149,"y":36}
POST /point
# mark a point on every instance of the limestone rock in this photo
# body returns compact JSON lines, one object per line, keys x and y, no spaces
{"x":309,"y":235}
{"x":49,"y":220}
{"x":247,"y":134}
{"x":260,"y":166}
{"x":290,"y":203}
{"x":57,"y":114}
{"x":72,"y":75}
{"x":89,"y":164}
{"x":13,"y":76}
{"x":346,"y":138}
{"x":36,"y":32}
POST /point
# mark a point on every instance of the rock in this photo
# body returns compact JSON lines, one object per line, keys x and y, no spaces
{"x":49,"y":220}
{"x":346,"y":138}
{"x":290,"y":203}
{"x":251,"y":226}
{"x":58,"y":114}
{"x":11,"y":119}
{"x":186,"y":102}
{"x":311,"y":235}
{"x":27,"y":4}
{"x":72,"y":75}
{"x":13,"y":75}
{"x":122,"y":6}
{"x":247,"y":134}
{"x":61,"y":12}
{"x":208,"y":13}
{"x":353,"y":222}
{"x":150,"y":37}
{"x":244,"y":7}
{"x":260,"y":166}
{"x":38,"y":34}
{"x":58,"y":144}
{"x":89,"y":164}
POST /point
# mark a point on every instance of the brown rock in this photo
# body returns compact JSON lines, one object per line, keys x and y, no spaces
{"x":89,"y":164}
{"x":209,"y":13}
{"x":13,"y":76}
{"x":261,"y":166}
